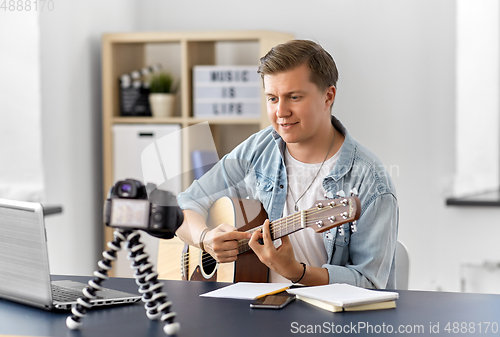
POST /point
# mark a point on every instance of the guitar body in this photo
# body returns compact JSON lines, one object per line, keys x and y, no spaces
{"x":200,"y":266}
{"x":170,"y":252}
{"x":243,"y":214}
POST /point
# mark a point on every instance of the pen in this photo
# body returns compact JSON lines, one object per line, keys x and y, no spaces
{"x":272,"y":292}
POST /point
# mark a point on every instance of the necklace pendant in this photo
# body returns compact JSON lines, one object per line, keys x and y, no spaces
{"x":296,"y":208}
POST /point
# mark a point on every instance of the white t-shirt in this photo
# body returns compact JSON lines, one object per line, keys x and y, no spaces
{"x":308,"y":245}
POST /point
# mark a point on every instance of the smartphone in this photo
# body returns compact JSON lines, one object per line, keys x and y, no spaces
{"x":272,"y":302}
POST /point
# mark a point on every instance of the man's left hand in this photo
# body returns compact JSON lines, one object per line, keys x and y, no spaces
{"x":281,"y":259}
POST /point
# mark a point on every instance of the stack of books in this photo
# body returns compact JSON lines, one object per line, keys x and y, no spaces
{"x":345,"y":297}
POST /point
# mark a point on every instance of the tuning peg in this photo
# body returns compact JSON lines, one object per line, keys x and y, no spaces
{"x":354,"y":228}
{"x":341,"y":230}
{"x":328,"y":195}
{"x":341,"y":194}
{"x":354,"y":192}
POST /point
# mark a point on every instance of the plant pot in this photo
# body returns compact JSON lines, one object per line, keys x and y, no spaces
{"x":162,"y":105}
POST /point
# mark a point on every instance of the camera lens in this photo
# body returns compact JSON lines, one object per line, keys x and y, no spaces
{"x":126,"y":188}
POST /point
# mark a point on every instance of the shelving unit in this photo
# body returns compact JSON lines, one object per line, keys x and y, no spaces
{"x":178,"y":52}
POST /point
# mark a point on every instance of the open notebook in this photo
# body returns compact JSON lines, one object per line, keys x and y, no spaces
{"x":344,"y":296}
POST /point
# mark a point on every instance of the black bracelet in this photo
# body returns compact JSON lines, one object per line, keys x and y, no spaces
{"x":303,"y":273}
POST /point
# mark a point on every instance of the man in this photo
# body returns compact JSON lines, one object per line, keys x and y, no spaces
{"x":305,"y":153}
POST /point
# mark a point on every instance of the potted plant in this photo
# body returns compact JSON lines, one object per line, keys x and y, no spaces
{"x":162,"y":94}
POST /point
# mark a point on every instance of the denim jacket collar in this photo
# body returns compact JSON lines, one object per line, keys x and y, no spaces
{"x":346,"y":156}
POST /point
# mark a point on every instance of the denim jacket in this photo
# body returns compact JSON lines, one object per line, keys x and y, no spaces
{"x":255,"y":169}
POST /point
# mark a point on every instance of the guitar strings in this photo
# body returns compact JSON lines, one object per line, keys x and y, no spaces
{"x":283,"y":224}
{"x":277,"y":225}
{"x":244,"y":242}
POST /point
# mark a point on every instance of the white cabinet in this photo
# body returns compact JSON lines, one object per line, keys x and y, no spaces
{"x":149,"y":153}
{"x":133,"y":158}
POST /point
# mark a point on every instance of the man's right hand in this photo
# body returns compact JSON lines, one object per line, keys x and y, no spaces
{"x":222,"y":242}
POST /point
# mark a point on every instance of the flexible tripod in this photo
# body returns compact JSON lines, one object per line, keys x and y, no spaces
{"x":156,"y":304}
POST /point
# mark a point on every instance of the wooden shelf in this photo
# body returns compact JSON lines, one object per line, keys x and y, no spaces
{"x":242,"y":121}
{"x":160,"y":37}
{"x":185,"y":121}
{"x":179,"y":52}
{"x":147,"y":120}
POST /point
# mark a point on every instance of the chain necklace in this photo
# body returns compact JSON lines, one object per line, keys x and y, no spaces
{"x":290,"y":188}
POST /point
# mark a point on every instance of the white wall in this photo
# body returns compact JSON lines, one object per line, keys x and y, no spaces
{"x":21,"y":172}
{"x":478,"y":99}
{"x":71,"y":104}
{"x":396,"y":95}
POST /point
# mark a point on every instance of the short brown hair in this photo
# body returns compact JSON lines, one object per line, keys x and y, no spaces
{"x":294,"y":53}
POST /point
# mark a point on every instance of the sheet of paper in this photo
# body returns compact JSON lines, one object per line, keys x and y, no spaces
{"x":246,"y":290}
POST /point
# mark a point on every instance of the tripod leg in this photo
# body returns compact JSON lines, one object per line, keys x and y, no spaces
{"x":79,"y":310}
{"x":146,"y":278}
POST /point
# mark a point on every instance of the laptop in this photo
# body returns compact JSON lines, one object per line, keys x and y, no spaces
{"x":24,"y":263}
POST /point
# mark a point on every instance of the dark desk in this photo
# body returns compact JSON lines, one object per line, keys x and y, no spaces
{"x":221,"y":317}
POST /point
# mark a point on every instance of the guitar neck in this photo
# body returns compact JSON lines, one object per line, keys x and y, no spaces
{"x":278,"y":228}
{"x":323,"y":216}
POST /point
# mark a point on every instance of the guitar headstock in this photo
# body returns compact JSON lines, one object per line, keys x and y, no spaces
{"x":330,"y":213}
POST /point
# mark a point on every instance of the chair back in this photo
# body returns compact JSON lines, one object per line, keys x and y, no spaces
{"x":402,"y":266}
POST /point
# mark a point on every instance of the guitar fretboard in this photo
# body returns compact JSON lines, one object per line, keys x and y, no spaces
{"x":278,"y":228}
{"x":323,"y":216}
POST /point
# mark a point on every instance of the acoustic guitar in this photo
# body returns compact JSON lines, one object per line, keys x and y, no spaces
{"x":248,"y":216}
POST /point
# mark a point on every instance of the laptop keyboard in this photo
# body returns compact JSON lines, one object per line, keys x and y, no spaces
{"x":62,"y":294}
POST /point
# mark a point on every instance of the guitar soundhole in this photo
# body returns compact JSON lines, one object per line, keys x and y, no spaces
{"x":208,"y":263}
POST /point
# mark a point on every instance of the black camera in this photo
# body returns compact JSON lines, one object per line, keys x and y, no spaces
{"x":131,"y":205}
